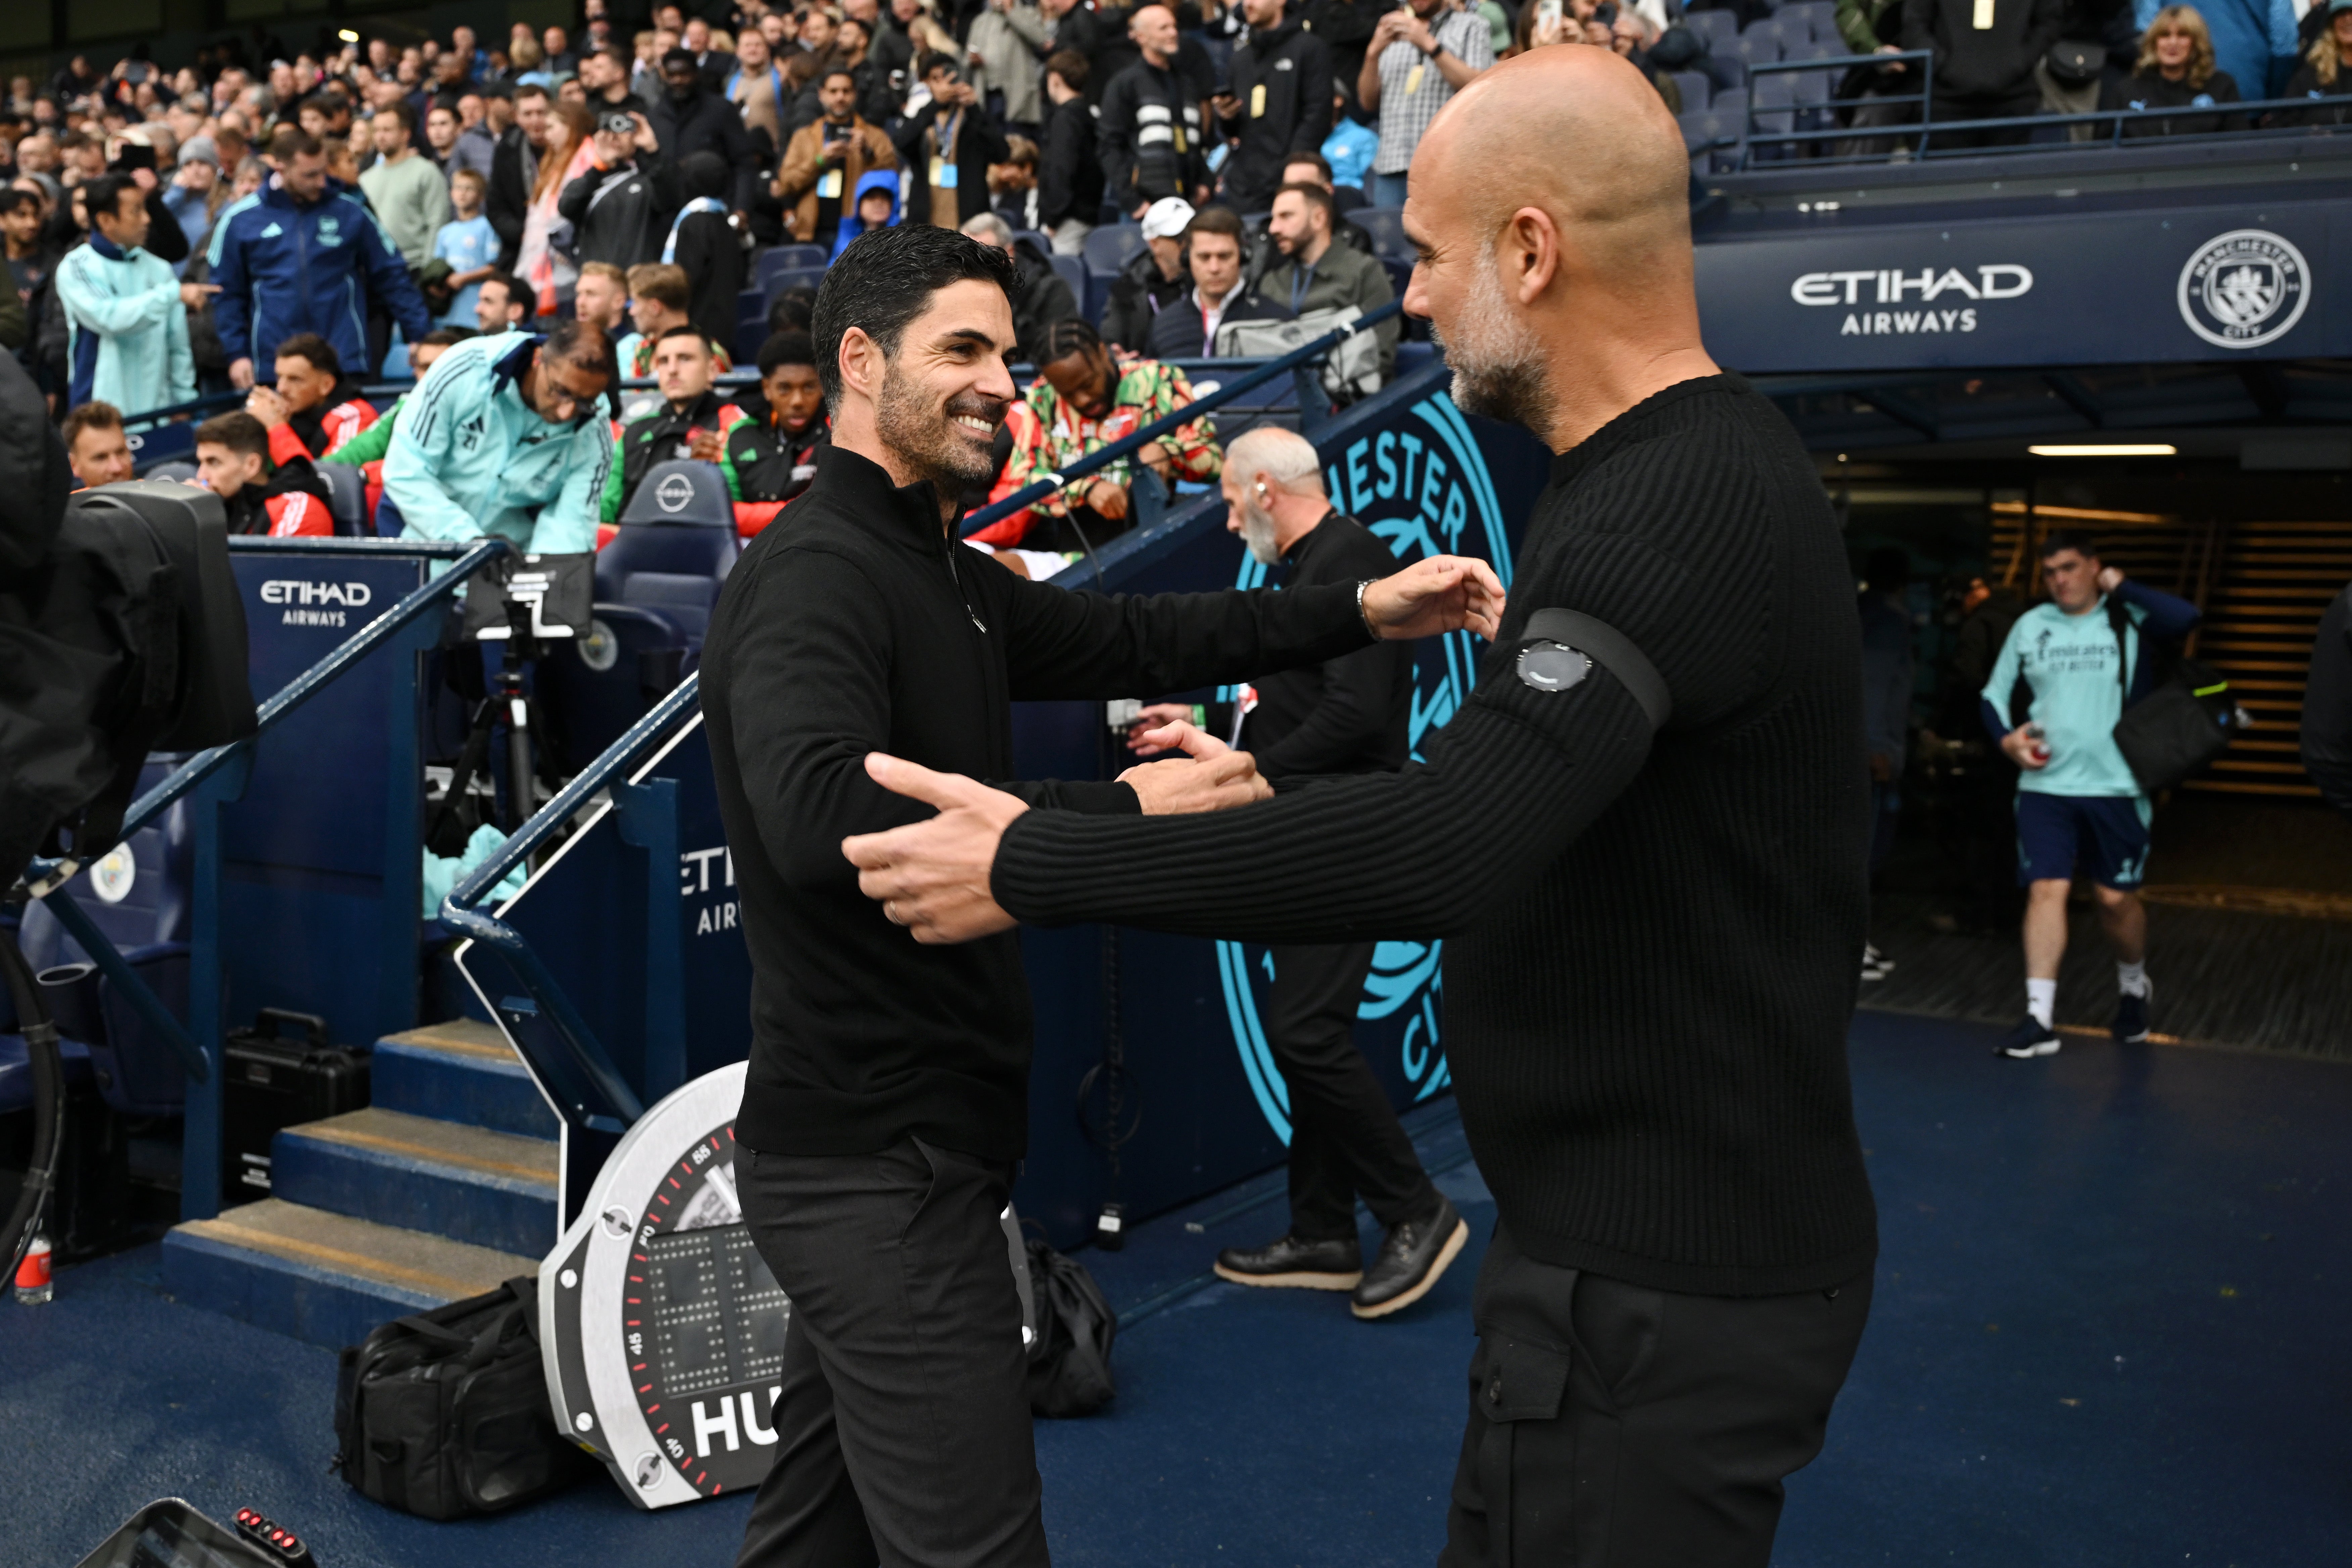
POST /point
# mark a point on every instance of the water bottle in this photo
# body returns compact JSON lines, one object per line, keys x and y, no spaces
{"x":2041,"y":748}
{"x":34,"y":1286}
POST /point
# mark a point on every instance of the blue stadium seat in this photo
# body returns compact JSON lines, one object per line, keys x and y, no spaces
{"x":1386,"y":225}
{"x":675,"y":547}
{"x":1347,"y":199}
{"x":1814,"y":51}
{"x":1072,"y":271}
{"x":1773,"y":98}
{"x":1038,"y":237}
{"x":17,"y":1071}
{"x":595,"y":688}
{"x":751,"y":327}
{"x":1697,"y":91}
{"x":346,"y":498}
{"x":175,"y":441}
{"x":1112,"y":246}
{"x":1719,"y":28}
{"x":1818,"y":15}
{"x":786,"y":259}
{"x":1759,"y":45}
{"x":775,"y":282}
{"x":1709,"y":125}
{"x":389,"y":523}
{"x":1411,"y":356}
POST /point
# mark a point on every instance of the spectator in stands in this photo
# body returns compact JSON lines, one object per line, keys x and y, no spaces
{"x":604,"y":77}
{"x":304,"y":255}
{"x":876,"y":206}
{"x":1314,"y":274}
{"x":1212,"y":255}
{"x":756,"y":87}
{"x":1984,"y":61}
{"x":703,"y":242}
{"x":284,"y":500}
{"x":505,"y":440}
{"x":1069,"y":168}
{"x":321,"y":408}
{"x":514,"y":170}
{"x":1153,"y":278}
{"x":692,"y":421}
{"x":2079,"y":809}
{"x":1349,"y":151}
{"x":501,"y":304}
{"x":2323,"y":74}
{"x":1419,"y":57}
{"x":1002,"y":49}
{"x":1310,"y":169}
{"x":1280,"y":103}
{"x":659,"y":295}
{"x":1151,"y":131}
{"x":442,"y":128}
{"x":2176,"y":70}
{"x":467,"y":244}
{"x":827,"y":161}
{"x":772,"y":454}
{"x":620,"y":210}
{"x":30,"y":258}
{"x":196,"y":193}
{"x":409,"y":195}
{"x":690,"y":118}
{"x":1013,"y":185}
{"x":2255,"y":42}
{"x":125,"y":313}
{"x":97,"y":448}
{"x":602,"y":295}
{"x":2326,"y":704}
{"x":1087,"y":395}
{"x":1040,"y":298}
{"x":948,"y":149}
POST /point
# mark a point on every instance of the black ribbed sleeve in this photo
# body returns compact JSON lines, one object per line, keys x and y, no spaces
{"x":1651,"y":942}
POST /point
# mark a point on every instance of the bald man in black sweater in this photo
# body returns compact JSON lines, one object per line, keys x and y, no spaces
{"x":1642,"y":839}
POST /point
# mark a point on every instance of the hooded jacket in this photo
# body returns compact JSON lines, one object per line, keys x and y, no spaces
{"x":285,"y":266}
{"x":622,"y":214}
{"x":1283,"y":77}
{"x":703,"y":122}
{"x":1982,"y":62}
{"x":128,"y":333}
{"x":851,"y":224}
{"x":470,"y":457}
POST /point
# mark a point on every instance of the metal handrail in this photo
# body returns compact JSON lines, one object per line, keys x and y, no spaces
{"x":1103,"y":456}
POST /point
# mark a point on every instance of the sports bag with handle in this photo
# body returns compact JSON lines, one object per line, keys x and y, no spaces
{"x":1070,"y":1361}
{"x":2186,"y":719}
{"x":445,"y":1414}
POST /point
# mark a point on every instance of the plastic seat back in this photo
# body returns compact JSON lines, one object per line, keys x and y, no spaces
{"x":595,"y":688}
{"x":346,"y":498}
{"x":681,"y":493}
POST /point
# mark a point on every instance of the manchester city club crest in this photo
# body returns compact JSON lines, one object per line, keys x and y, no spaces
{"x":1421,"y":483}
{"x":2244,"y":289}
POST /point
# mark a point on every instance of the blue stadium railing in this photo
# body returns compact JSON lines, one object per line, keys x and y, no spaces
{"x":589,"y":1090}
{"x":198,"y":1042}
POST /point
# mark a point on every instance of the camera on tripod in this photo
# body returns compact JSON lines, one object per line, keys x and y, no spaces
{"x":521,"y":603}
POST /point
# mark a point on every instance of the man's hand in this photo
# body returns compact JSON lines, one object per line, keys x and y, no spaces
{"x":932,"y":877}
{"x":1107,"y":499}
{"x":193,"y":294}
{"x":1440,"y":593}
{"x":240,"y":374}
{"x":704,"y":447}
{"x":266,"y":405}
{"x":1155,"y":716}
{"x":2019,"y":748}
{"x":1211,"y":777}
{"x":2110,"y":579}
{"x":1228,"y":106}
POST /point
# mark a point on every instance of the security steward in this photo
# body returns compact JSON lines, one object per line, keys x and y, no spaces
{"x":1641,"y":838}
{"x":888,"y":1096}
{"x":1352,"y":715}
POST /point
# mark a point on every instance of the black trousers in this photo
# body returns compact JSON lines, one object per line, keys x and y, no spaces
{"x":1613,"y":1427}
{"x":1345,"y":1138}
{"x":902,"y":1430}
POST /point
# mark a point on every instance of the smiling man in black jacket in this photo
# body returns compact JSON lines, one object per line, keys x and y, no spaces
{"x":887,"y":1095}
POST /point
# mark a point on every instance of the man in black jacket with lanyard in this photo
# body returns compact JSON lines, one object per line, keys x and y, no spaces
{"x":1280,"y":103}
{"x":887,"y":1095}
{"x":1352,"y":715}
{"x":1641,"y":838}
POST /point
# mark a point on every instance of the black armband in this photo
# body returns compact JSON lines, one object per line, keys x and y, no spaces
{"x":1558,"y":647}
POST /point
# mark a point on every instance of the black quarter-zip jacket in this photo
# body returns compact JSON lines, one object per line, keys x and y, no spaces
{"x":863,"y":627}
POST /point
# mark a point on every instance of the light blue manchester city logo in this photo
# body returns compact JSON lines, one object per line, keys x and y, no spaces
{"x":1421,"y":483}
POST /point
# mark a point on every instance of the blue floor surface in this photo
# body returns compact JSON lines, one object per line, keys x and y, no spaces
{"x":2109,"y":1330}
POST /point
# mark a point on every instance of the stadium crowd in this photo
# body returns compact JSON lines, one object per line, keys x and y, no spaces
{"x":655,"y":203}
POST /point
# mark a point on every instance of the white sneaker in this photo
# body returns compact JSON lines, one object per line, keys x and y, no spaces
{"x":1876,"y":964}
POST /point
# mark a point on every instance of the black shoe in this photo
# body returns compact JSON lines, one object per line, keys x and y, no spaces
{"x":1297,"y":1263}
{"x":2130,"y":1027}
{"x":2030,"y":1038}
{"x":1411,"y":1260}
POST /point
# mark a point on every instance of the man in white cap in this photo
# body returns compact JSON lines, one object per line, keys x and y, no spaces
{"x":1152,"y":279}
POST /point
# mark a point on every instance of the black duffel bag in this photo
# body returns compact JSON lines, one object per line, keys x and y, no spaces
{"x":1070,"y":1361}
{"x":444,"y":1413}
{"x":2186,"y":721}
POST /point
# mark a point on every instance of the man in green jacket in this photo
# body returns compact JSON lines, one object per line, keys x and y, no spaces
{"x":1313,"y":273}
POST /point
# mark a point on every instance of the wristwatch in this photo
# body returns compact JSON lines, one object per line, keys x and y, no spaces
{"x":1369,"y":630}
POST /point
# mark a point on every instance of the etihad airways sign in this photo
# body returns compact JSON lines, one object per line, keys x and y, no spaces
{"x":1895,"y":286}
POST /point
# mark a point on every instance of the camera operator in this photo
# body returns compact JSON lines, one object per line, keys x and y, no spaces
{"x":504,"y":437}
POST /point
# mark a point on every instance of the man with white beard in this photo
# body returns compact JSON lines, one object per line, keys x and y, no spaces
{"x":1349,"y":714}
{"x":1641,"y":839}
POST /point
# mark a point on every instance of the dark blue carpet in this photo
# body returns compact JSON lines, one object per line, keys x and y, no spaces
{"x":2108,"y":1330}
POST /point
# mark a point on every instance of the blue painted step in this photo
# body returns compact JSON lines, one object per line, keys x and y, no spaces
{"x":459,"y":1071}
{"x":324,"y":1278}
{"x":467,"y":1184}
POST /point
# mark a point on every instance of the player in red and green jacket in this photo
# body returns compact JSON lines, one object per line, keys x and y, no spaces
{"x":771,"y":456}
{"x":693,"y":422}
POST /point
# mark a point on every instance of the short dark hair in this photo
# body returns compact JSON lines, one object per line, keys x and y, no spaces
{"x":786,"y":349}
{"x":935,"y":61}
{"x":679,"y":58}
{"x":316,"y":350}
{"x":667,"y":333}
{"x":885,"y":279}
{"x":104,"y":194}
{"x":1315,"y":196}
{"x":582,"y":343}
{"x":91,"y":415}
{"x":445,"y":337}
{"x":794,"y":310}
{"x":703,"y":173}
{"x":1215,"y":221}
{"x":2077,"y":539}
{"x":1066,"y":336}
{"x":289,"y":142}
{"x":1071,"y":67}
{"x":237,"y":430}
{"x":12,"y":197}
{"x":528,"y":90}
{"x":1322,"y":165}
{"x":399,"y":109}
{"x":510,"y":283}
{"x":826,"y":78}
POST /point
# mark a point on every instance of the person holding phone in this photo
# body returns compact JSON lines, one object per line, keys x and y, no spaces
{"x":1277,"y":102}
{"x":1421,"y":53}
{"x":825,"y":159}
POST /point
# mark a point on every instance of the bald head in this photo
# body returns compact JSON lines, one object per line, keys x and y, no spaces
{"x":1550,"y":202}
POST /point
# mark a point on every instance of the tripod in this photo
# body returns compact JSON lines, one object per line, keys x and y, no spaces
{"x":446,"y":834}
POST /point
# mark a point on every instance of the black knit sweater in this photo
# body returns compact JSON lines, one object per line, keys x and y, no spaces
{"x":1653,"y":944}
